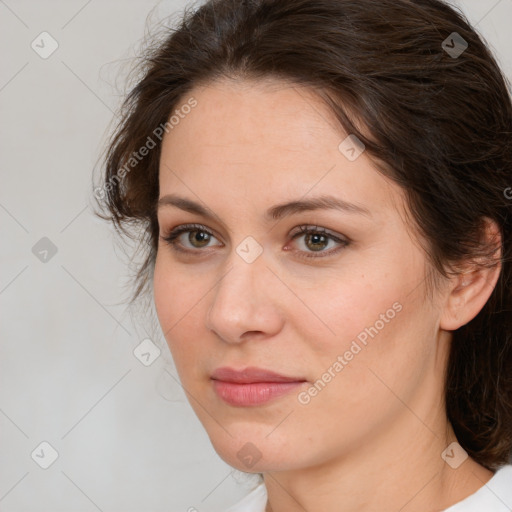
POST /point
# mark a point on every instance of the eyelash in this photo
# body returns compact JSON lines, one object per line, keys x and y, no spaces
{"x":171,"y":237}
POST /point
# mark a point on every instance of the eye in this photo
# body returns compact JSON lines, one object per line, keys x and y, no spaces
{"x":315,"y":240}
{"x":197,"y":234}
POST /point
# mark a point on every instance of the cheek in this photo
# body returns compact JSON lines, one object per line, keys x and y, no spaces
{"x":350,"y":305}
{"x":174,"y":291}
{"x":374,"y":318}
{"x":364,"y":375}
{"x":170,"y":304}
{"x":178,"y":302}
{"x":384,"y":339}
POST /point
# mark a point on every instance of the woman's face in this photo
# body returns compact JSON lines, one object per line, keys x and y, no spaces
{"x":342,"y":312}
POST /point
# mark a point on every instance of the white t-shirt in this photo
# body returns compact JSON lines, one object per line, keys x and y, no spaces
{"x":494,"y":496}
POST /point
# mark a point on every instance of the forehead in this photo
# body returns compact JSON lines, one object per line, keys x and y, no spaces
{"x":268,"y":139}
{"x":256,"y":115}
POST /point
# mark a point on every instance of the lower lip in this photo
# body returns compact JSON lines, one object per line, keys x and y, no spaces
{"x":257,"y":393}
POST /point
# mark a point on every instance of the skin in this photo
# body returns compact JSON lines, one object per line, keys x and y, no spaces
{"x":379,"y":424}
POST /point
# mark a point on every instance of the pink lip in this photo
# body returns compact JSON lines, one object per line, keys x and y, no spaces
{"x":252,"y":386}
{"x":250,"y":375}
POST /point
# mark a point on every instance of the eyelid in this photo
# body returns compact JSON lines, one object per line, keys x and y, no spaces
{"x":304,"y":229}
{"x":342,"y":241}
{"x":174,"y":233}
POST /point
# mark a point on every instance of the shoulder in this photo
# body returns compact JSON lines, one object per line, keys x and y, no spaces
{"x":494,"y":496}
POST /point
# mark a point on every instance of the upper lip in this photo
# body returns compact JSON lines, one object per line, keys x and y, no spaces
{"x":251,"y":375}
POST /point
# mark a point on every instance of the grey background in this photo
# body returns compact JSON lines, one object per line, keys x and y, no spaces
{"x":126,"y":437}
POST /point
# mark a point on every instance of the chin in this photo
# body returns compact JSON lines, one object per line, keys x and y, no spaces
{"x":249,"y":450}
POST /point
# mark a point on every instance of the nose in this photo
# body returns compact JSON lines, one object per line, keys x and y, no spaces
{"x":245,"y":302}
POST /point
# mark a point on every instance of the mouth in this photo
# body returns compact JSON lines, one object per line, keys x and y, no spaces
{"x":252,"y":386}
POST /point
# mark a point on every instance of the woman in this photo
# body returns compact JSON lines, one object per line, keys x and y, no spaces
{"x":323,"y":189}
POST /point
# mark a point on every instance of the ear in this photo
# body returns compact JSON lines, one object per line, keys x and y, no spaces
{"x":471,"y":288}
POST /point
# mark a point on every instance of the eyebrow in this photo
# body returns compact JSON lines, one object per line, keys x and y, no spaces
{"x":275,"y":212}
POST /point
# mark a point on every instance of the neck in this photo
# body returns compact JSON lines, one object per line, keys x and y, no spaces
{"x":398,"y":468}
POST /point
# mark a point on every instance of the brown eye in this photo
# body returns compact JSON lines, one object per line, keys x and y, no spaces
{"x":316,"y":240}
{"x":198,"y":238}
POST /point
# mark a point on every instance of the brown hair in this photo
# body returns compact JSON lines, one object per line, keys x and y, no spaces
{"x":439,"y":122}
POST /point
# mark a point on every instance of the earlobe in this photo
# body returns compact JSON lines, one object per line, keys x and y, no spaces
{"x":472,"y":287}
